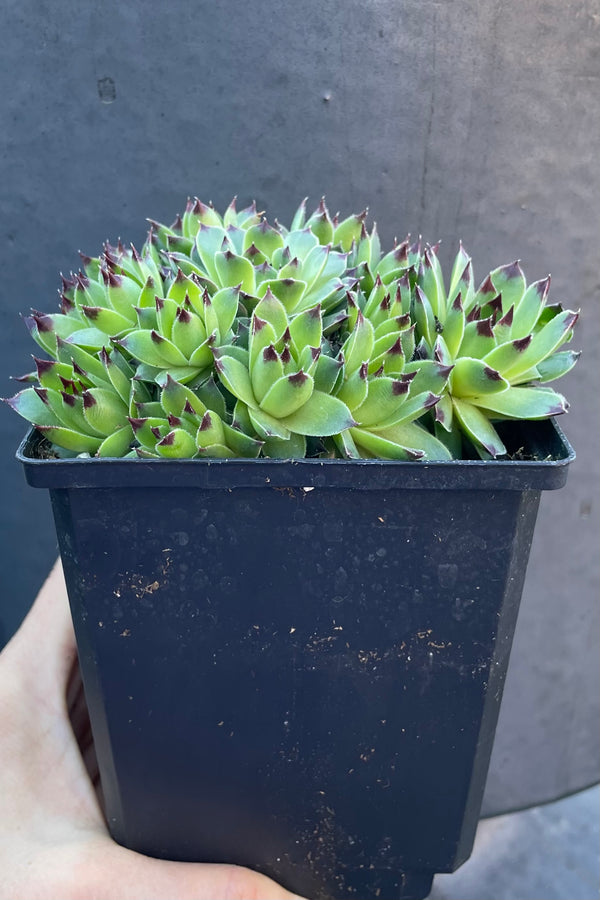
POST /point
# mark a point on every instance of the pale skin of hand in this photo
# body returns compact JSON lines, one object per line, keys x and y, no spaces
{"x":54,"y":844}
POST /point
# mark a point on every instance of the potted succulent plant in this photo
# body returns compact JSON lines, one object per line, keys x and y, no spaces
{"x":295,"y":481}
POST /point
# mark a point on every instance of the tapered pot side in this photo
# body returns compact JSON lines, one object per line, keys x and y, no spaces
{"x":298,"y":665}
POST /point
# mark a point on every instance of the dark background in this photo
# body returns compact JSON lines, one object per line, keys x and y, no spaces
{"x":452,"y":119}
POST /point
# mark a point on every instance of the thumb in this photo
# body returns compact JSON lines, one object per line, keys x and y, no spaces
{"x":43,"y":649}
{"x":120,"y":873}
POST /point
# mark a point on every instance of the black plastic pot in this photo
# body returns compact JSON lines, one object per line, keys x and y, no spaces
{"x":298,"y":665}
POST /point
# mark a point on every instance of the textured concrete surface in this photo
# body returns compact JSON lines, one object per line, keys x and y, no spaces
{"x":546,"y":853}
{"x":454,"y":120}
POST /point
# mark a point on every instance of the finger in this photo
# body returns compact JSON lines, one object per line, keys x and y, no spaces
{"x":136,"y":877}
{"x":45,"y":643}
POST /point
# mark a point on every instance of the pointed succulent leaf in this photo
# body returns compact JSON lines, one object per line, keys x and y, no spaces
{"x":241,"y":444}
{"x":320,"y":416}
{"x":547,"y":314}
{"x":299,"y":217}
{"x":464,"y":287}
{"x":443,"y":412}
{"x":88,"y":362}
{"x":264,"y":237}
{"x":225,"y":303}
{"x":473,"y":378}
{"x":234,"y":270}
{"x":32,"y":405}
{"x":429,"y":375}
{"x":177,"y":444}
{"x":91,"y":292}
{"x":424,"y":317}
{"x":376,"y":296}
{"x":506,"y":356}
{"x":46,"y":329}
{"x":151,"y":348}
{"x":188,"y":334}
{"x":198,"y":213}
{"x":288,"y":290}
{"x":293,"y":448}
{"x":272,"y":311}
{"x":166,"y":313}
{"x":176,"y":243}
{"x":408,"y":342}
{"x":478,"y":338}
{"x":210,"y":431}
{"x":104,"y":411}
{"x":68,"y":410}
{"x":216,"y":451}
{"x":346,"y":446}
{"x":326,"y":373}
{"x":120,"y":380}
{"x":146,"y":317}
{"x":107,"y":320}
{"x":306,"y":329}
{"x":544,"y":342}
{"x":332,"y":323}
{"x":262,"y":336}
{"x":387,"y":335}
{"x":415,"y":406}
{"x":287,"y":395}
{"x":147,"y":430}
{"x":188,"y":267}
{"x":321,"y":225}
{"x":210,"y":395}
{"x":267,"y":426}
{"x":478,"y":428}
{"x":349,"y":230}
{"x":359,"y":345}
{"x":236,"y":351}
{"x":123,"y":294}
{"x":383,"y":402}
{"x":174,"y":396}
{"x":454,"y":326}
{"x":236,"y":378}
{"x":117,"y":444}
{"x":485,"y":293}
{"x":236,"y":238}
{"x":308,"y":359}
{"x":51,"y":374}
{"x":300,"y":242}
{"x":312,"y":267}
{"x":230,"y":216}
{"x":432,"y":285}
{"x":389,"y":354}
{"x":382,"y":447}
{"x":503,"y":327}
{"x":70,"y":439}
{"x":524,"y":403}
{"x":509,"y":281}
{"x":332,"y":272}
{"x":184,"y":288}
{"x":452,"y":439}
{"x":557,"y":365}
{"x":91,"y":339}
{"x":209,"y":241}
{"x":393,"y":264}
{"x":266,"y":371}
{"x":353,"y":391}
{"x":528,"y":311}
{"x":413,"y":437}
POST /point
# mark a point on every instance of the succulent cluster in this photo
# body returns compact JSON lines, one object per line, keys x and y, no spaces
{"x":227,"y":336}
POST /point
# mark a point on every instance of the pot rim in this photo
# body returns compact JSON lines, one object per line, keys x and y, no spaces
{"x":544,"y":439}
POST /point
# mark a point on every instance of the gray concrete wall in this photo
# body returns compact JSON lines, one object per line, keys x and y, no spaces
{"x":472,"y":120}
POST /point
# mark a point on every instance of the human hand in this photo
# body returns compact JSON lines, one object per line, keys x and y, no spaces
{"x":54,"y":844}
